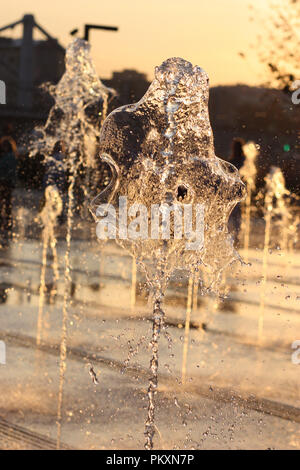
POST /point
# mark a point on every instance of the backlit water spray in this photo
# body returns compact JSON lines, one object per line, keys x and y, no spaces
{"x":190,"y":298}
{"x":74,"y":123}
{"x":51,"y":211}
{"x":277,"y":212}
{"x":248,"y":174}
{"x":161,"y":154}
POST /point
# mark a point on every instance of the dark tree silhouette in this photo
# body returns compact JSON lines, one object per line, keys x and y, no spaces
{"x":278,"y":46}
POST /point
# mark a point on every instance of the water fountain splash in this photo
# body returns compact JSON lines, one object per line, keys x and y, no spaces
{"x":133,"y":284}
{"x":158,"y":322}
{"x":248,"y":173}
{"x":277,"y":205}
{"x":161,"y":154}
{"x":66,"y":300}
{"x":80,"y":106}
{"x":49,"y":214}
{"x":187,"y":326}
{"x":74,"y":121}
{"x":133,"y":351}
{"x":285,"y":219}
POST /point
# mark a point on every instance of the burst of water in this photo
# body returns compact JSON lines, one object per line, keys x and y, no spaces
{"x":80,"y":101}
{"x":133,"y":351}
{"x":160,"y":151}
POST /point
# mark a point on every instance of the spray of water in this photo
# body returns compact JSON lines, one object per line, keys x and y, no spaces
{"x":277,"y":209}
{"x":248,"y":174}
{"x":187,"y":326}
{"x":80,"y":104}
{"x":133,"y":284}
{"x":51,"y":211}
{"x":160,"y":151}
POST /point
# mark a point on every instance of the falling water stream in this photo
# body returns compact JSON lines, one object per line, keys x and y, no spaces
{"x":187,"y":325}
{"x":106,"y":369}
{"x":51,"y":211}
{"x":133,"y":283}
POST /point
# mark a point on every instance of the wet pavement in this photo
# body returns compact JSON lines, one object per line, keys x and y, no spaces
{"x":238,"y":394}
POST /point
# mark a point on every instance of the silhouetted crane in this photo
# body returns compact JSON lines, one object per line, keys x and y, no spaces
{"x":88,"y":27}
{"x":26,"y":64}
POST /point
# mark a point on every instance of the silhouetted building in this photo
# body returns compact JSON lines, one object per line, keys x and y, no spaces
{"x":130,"y":86}
{"x":25,"y":64}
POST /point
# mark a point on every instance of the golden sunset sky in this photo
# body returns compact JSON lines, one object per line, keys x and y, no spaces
{"x":209,"y":33}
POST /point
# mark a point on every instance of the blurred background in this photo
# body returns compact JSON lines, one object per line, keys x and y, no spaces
{"x":249,"y":49}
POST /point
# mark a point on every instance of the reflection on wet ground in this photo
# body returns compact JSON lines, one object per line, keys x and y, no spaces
{"x":238,"y":393}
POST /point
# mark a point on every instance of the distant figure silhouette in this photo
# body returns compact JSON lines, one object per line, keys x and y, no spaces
{"x":8,"y":176}
{"x":237,"y":157}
